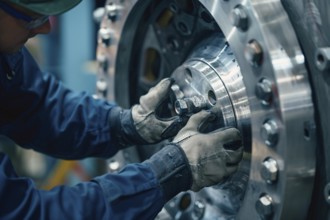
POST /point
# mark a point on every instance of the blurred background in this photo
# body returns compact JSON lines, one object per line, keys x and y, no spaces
{"x":68,"y":53}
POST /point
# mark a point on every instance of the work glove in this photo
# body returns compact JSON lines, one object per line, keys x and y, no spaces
{"x":146,"y":122}
{"x":212,"y":156}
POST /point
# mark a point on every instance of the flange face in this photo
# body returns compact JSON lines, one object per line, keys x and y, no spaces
{"x":267,"y":49}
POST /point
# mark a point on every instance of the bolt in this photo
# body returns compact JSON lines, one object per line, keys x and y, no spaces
{"x":190,"y":105}
{"x":239,"y":18}
{"x":322,"y":58}
{"x":177,"y":93}
{"x":181,"y":107}
{"x":114,"y":165}
{"x":106,"y":35}
{"x":264,"y":206}
{"x":269,"y":170}
{"x":10,"y":75}
{"x":199,"y":209}
{"x":113,"y":11}
{"x":198,"y":102}
{"x":264,"y":91}
{"x":327,"y":193}
{"x":101,"y":85}
{"x":253,"y":53}
{"x":98,"y":14}
{"x":269,"y":132}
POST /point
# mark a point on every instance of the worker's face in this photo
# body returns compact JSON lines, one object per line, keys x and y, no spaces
{"x":13,"y":31}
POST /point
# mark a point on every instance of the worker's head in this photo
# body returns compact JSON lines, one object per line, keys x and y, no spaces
{"x":23,"y":19}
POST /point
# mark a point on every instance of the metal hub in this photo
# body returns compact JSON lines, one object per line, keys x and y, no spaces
{"x":212,"y":73}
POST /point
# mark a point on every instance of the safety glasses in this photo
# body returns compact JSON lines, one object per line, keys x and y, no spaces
{"x":31,"y":23}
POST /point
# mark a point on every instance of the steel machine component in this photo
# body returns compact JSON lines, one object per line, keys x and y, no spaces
{"x":261,"y":66}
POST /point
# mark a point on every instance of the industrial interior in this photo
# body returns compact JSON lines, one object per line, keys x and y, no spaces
{"x":263,"y":66}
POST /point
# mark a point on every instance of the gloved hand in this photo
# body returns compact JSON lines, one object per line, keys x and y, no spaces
{"x":212,"y":156}
{"x":144,"y":123}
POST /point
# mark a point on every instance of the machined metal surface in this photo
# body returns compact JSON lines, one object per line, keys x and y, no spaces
{"x":211,"y":71}
{"x":244,"y":60}
{"x":283,"y":64}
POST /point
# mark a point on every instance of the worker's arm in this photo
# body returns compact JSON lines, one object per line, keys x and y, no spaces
{"x":38,"y":112}
{"x":137,"y":192}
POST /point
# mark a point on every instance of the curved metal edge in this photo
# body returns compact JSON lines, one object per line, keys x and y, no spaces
{"x":310,"y":19}
{"x":283,"y":63}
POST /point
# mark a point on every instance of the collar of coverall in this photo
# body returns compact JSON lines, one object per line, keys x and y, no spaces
{"x":47,"y":7}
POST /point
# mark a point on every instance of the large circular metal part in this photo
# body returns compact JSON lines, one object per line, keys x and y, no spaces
{"x":212,"y":74}
{"x":244,"y":61}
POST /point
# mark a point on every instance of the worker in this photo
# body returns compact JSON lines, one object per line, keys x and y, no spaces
{"x":39,"y":113}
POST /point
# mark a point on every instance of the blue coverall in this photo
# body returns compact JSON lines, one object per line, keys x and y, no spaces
{"x":38,"y":112}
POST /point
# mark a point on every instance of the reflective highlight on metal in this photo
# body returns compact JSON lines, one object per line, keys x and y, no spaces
{"x":265,"y":207}
{"x":269,"y":170}
{"x":322,"y":58}
{"x":213,"y":70}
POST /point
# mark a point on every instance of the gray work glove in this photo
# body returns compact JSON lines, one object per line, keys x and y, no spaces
{"x":145,"y":123}
{"x":212,"y":156}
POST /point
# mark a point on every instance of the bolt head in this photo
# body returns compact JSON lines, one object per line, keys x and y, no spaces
{"x":264,"y":206}
{"x":106,"y":35}
{"x":114,"y":165}
{"x":269,"y":170}
{"x":113,"y":11}
{"x":199,"y":209}
{"x":181,"y":107}
{"x":269,"y":132}
{"x":264,"y":91}
{"x":253,"y":53}
{"x":239,"y":18}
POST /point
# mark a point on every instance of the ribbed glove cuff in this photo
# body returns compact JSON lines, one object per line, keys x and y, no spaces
{"x":172,"y":170}
{"x":122,"y":128}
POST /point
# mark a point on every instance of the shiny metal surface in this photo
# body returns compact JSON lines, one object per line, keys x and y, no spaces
{"x":212,"y":72}
{"x":283,"y":64}
{"x":255,"y":74}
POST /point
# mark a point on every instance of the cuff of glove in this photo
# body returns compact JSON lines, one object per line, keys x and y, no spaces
{"x":172,"y":169}
{"x":123,"y":129}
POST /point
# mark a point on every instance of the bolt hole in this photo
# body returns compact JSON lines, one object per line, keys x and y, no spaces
{"x":188,"y":74}
{"x":306,"y":133}
{"x":183,"y":28}
{"x":185,"y":201}
{"x":308,"y":130}
{"x":320,"y":59}
{"x":211,"y":97}
{"x":206,"y":17}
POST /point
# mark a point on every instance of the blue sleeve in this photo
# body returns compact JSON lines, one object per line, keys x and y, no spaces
{"x":38,"y":112}
{"x":139,"y":191}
